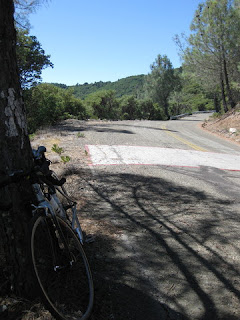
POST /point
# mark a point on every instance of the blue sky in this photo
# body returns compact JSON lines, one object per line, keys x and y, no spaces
{"x":106,"y":40}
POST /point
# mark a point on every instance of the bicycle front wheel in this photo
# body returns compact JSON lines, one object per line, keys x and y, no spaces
{"x":61,"y":268}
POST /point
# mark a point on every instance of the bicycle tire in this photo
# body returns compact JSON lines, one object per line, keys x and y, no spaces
{"x":66,"y":287}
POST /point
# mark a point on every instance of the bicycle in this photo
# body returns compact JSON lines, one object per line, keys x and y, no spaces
{"x":59,"y":262}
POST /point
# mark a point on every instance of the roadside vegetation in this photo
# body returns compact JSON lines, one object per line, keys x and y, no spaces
{"x":209,"y":78}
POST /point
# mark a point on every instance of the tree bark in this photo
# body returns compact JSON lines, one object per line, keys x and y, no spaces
{"x":216,"y":103}
{"x":223,"y":93}
{"x":229,"y":91}
{"x":16,"y":154}
{"x":166,"y":108}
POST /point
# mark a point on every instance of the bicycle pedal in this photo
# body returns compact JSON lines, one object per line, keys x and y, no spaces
{"x":89,"y":238}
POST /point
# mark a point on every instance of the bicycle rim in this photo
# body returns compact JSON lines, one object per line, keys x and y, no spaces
{"x":63,"y":274}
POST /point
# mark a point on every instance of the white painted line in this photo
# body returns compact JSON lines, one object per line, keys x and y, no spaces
{"x":117,"y":155}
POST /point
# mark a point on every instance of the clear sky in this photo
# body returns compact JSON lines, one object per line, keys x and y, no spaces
{"x":106,"y":40}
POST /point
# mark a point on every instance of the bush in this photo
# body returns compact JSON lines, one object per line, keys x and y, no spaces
{"x":103,"y":105}
{"x":47,"y":104}
{"x":129,"y":108}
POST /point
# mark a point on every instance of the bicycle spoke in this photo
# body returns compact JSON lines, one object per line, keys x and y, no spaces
{"x":62,"y":270}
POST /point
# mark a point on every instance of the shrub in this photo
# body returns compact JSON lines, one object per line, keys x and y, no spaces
{"x":47,"y":104}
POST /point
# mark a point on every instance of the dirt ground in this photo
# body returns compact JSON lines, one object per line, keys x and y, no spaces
{"x":78,"y":176}
{"x":226,"y":126}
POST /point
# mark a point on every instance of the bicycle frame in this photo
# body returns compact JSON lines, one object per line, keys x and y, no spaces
{"x":75,"y":224}
{"x":47,"y":207}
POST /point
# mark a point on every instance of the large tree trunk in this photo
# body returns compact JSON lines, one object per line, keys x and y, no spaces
{"x":228,"y":88}
{"x":15,"y":155}
{"x":216,"y":103}
{"x":223,"y":93}
{"x":166,"y":111}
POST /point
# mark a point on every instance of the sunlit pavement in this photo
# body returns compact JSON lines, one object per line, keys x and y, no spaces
{"x":134,"y":155}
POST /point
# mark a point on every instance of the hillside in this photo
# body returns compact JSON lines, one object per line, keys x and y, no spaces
{"x":227,"y":126}
{"x":127,"y":86}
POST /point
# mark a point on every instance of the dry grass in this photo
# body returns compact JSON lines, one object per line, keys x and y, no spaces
{"x":78,"y":175}
{"x":221,"y":125}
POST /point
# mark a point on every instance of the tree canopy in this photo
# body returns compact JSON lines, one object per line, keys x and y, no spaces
{"x":31,"y":58}
{"x":161,"y":82}
{"x":22,"y":10}
{"x":212,"y":49}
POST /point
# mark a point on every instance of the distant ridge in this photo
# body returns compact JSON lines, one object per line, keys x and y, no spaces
{"x":132,"y":85}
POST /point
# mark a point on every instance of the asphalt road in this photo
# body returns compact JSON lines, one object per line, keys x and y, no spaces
{"x":176,"y":244}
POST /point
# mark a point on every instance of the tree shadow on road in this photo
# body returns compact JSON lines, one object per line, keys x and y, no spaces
{"x":105,"y":126}
{"x":177,"y":246}
{"x":162,"y":251}
{"x":85,"y":126}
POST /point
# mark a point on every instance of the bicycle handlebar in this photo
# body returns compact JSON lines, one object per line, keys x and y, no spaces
{"x":15,"y":176}
{"x":40,"y":171}
{"x":38,"y":154}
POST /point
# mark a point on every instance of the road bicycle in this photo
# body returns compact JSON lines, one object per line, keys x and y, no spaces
{"x":59,"y":262}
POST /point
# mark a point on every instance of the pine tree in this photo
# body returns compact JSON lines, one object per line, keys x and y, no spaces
{"x":16,"y":154}
{"x":213,"y":47}
{"x":161,"y":82}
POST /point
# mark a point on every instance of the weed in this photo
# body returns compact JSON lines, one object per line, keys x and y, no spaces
{"x":32,"y":136}
{"x":65,"y":159}
{"x":216,"y":115}
{"x":80,"y":135}
{"x":57,"y":149}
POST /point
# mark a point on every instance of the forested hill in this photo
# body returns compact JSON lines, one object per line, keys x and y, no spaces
{"x":127,"y":86}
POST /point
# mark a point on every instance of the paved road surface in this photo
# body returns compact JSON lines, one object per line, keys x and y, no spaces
{"x":176,"y":244}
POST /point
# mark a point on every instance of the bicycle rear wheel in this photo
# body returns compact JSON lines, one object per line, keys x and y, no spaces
{"x":61,"y":268}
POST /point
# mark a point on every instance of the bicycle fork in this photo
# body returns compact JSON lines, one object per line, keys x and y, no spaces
{"x":78,"y":228}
